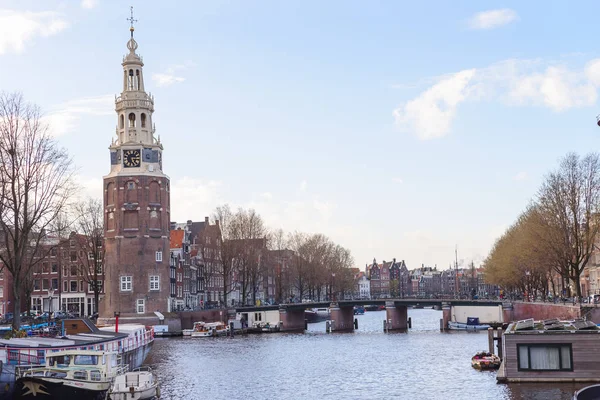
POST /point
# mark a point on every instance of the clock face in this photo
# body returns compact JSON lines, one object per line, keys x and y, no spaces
{"x":131,"y":158}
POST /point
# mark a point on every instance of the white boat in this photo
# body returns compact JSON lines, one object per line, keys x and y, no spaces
{"x":210,"y":329}
{"x":187,"y":332}
{"x":139,"y":384}
{"x":69,"y":374}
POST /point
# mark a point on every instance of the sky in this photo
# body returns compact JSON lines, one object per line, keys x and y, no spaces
{"x":399,"y":129}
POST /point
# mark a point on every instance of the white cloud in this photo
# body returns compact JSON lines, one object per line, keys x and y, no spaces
{"x":266,"y":196}
{"x":513,"y":82}
{"x":171,"y":74}
{"x":397,"y":180}
{"x":166,"y":79}
{"x":492,"y":19}
{"x":89,"y":4}
{"x":19,"y":28}
{"x":520,"y":176}
{"x":194,"y":199}
{"x":431,"y":113}
{"x":64,"y":118}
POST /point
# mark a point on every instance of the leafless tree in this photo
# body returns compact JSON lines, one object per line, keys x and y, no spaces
{"x":90,"y":223}
{"x":35,"y":184}
{"x":279,"y":259}
{"x":569,"y":202}
{"x":226,"y":249}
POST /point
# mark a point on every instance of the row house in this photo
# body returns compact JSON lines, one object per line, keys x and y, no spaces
{"x":66,"y":279}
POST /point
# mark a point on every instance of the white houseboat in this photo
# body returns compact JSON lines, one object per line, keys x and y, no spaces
{"x":133,"y":343}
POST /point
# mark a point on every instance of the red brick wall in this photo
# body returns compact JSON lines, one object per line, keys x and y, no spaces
{"x":132,"y":252}
{"x":539,"y":311}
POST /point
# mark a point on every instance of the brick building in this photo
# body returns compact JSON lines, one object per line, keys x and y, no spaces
{"x":137,"y":204}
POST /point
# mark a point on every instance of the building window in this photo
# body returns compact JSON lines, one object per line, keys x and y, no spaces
{"x":126,"y":283}
{"x":81,"y":286}
{"x":73,"y":270}
{"x":36,"y":284}
{"x":73,"y":256}
{"x":54,"y":268}
{"x":65,"y":286}
{"x":45,"y":268}
{"x":73,"y":286}
{"x":54,"y":283}
{"x":545,"y":357}
{"x":141,"y":306}
{"x":45,"y":284}
{"x":90,"y":255}
{"x":159,"y":256}
{"x":154,"y":282}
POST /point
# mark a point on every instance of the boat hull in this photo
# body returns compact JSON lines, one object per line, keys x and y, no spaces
{"x":459,"y":326}
{"x":137,"y":394}
{"x":39,"y":389}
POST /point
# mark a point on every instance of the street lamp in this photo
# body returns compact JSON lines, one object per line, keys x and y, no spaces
{"x":332,"y":285}
{"x":50,"y":297}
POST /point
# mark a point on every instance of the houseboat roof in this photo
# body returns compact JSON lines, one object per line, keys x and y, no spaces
{"x":529,"y":326}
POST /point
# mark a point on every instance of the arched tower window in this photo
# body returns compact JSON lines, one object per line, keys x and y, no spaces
{"x":137,"y":79}
{"x":132,"y":120}
{"x":143,"y":119}
{"x":131,"y":192}
{"x":154,"y":195}
{"x":122,"y":121}
{"x":110,"y":193}
{"x":130,"y":80}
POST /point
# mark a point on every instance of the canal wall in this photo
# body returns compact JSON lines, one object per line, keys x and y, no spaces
{"x":189,"y":317}
{"x":539,"y":311}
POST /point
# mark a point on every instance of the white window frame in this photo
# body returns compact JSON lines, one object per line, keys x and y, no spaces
{"x":159,"y":256}
{"x":126,"y":283}
{"x":154,"y":282}
{"x":140,"y":303}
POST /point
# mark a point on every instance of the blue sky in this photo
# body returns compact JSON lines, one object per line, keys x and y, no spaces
{"x":399,"y":129}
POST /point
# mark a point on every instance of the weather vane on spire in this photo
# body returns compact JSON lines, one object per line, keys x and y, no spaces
{"x":131,"y":21}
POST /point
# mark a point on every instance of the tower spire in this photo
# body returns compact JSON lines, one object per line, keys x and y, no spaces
{"x":131,"y":21}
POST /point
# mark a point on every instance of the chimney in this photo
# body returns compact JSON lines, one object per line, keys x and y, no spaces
{"x":189,"y":221}
{"x":206,"y":220}
{"x":394,"y":260}
{"x":216,"y":222}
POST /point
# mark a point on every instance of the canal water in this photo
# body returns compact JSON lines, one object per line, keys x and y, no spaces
{"x":366,"y":364}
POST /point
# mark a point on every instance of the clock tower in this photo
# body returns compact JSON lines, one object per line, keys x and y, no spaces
{"x":136,"y":204}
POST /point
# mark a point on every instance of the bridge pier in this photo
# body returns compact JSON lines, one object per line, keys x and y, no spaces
{"x":342,"y":318}
{"x":291,"y":320}
{"x":446,"y":316}
{"x":397,"y":316}
{"x":507,"y":313}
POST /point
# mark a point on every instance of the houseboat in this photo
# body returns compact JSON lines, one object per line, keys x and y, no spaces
{"x":69,"y":374}
{"x":260,"y":321}
{"x":133,"y":343}
{"x":550,"y":351}
{"x":209,"y":329}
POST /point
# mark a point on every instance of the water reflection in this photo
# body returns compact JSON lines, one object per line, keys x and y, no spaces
{"x":421,"y":364}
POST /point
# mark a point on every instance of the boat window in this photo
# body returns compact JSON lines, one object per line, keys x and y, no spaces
{"x":80,"y":375}
{"x":113,"y":361}
{"x":56,"y":374}
{"x":95,"y":375}
{"x":103,"y":359}
{"x":60,"y":361}
{"x":545,"y":357}
{"x":86,"y":360}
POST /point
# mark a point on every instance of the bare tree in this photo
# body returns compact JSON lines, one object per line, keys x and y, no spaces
{"x":279,"y":257}
{"x":299,"y":265}
{"x":35,"y":183}
{"x":90,"y":223}
{"x":226,"y":248}
{"x":569,"y":202}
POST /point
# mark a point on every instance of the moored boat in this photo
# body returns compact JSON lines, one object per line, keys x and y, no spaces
{"x":471,"y":325}
{"x":316,"y":314}
{"x":209,"y":329}
{"x":132,"y":342}
{"x":591,"y":392}
{"x":139,"y":384}
{"x":187,"y":332}
{"x":69,"y":374}
{"x":485,"y":360}
{"x":359,"y":310}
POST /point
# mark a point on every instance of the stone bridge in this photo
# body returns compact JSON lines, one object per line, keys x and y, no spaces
{"x":292,"y":317}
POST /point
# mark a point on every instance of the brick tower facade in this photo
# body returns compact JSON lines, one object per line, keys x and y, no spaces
{"x":136,"y":201}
